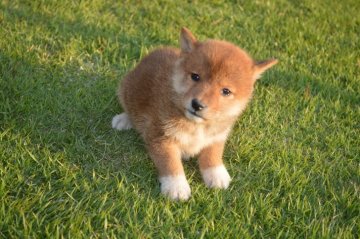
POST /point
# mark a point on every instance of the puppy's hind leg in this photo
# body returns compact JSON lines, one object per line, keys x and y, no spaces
{"x":121,"y":122}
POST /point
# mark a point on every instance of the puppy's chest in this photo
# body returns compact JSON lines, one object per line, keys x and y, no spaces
{"x":193,"y":140}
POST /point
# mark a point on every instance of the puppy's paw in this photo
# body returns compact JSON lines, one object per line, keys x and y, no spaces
{"x":185,"y":157}
{"x":121,"y":122}
{"x":175,"y":187}
{"x":216,"y":177}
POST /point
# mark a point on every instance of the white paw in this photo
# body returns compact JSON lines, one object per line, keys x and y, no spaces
{"x":185,"y":156}
{"x":121,"y":122}
{"x":175,"y":187}
{"x":216,"y":177}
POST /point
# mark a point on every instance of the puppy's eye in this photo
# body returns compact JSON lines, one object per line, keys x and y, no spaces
{"x":195,"y":77}
{"x":225,"y":92}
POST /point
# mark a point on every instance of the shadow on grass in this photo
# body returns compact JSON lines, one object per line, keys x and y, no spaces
{"x":68,"y":110}
{"x":70,"y":119}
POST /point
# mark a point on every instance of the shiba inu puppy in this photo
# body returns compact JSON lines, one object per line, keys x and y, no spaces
{"x":184,"y":103}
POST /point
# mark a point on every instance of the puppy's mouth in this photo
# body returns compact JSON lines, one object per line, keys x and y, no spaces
{"x":192,"y":115}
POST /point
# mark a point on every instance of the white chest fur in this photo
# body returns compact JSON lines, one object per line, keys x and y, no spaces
{"x":193,"y":140}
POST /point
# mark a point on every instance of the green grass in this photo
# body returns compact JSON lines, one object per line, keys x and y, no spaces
{"x":293,"y":155}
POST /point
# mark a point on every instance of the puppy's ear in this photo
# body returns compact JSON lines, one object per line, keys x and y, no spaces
{"x":261,"y":66}
{"x":187,"y":40}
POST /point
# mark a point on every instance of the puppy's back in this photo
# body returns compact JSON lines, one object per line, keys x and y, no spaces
{"x":147,"y":87}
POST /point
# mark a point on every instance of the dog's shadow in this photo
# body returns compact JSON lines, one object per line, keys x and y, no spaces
{"x":67,"y":109}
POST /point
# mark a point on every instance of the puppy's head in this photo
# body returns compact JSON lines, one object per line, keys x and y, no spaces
{"x":214,"y":79}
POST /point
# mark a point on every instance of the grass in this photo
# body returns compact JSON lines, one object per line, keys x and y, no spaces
{"x":293,"y":155}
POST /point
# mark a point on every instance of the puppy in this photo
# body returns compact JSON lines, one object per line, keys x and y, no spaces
{"x":184,"y":103}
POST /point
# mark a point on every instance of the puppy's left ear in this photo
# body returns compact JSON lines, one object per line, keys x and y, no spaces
{"x":187,"y":40}
{"x":261,"y":66}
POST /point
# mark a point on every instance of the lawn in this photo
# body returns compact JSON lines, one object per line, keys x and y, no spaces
{"x":293,"y":155}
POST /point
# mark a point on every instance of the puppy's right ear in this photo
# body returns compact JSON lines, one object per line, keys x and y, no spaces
{"x":187,"y":40}
{"x":261,"y":66}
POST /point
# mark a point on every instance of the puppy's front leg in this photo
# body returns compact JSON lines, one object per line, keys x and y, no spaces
{"x":212,"y":168}
{"x":167,"y":158}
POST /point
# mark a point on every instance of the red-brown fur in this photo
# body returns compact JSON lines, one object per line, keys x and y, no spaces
{"x":158,"y":108}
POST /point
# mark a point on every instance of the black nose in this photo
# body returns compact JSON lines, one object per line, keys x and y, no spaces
{"x":197,"y":105}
